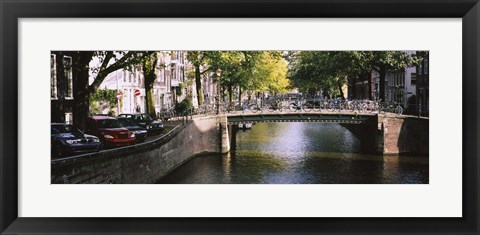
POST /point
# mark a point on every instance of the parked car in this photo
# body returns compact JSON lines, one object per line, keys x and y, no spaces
{"x":140,"y":132}
{"x":110,"y":131}
{"x":67,"y":141}
{"x":144,"y":120}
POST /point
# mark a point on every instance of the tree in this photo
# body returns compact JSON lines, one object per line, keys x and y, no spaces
{"x":382,"y":61}
{"x":109,"y":61}
{"x":203,"y":62}
{"x":149,"y":65}
{"x":272,"y":73}
{"x":228,"y":64}
{"x":329,"y":70}
{"x":257,"y":71}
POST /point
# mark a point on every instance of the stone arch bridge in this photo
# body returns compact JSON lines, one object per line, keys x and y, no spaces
{"x":378,"y":133}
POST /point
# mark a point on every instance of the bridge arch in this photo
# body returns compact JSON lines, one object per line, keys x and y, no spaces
{"x":363,"y":127}
{"x":379,"y":133}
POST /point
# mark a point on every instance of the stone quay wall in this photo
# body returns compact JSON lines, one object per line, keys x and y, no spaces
{"x":404,"y":134}
{"x":144,"y":163}
{"x":392,"y":134}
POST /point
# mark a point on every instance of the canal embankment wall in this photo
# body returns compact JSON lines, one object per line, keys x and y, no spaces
{"x":392,"y":134}
{"x":147,"y":162}
{"x":404,"y":134}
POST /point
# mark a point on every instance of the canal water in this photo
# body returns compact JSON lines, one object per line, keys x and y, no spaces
{"x":299,"y":153}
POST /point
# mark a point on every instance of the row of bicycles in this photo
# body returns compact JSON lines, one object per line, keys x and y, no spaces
{"x":360,"y":106}
{"x":323,"y":105}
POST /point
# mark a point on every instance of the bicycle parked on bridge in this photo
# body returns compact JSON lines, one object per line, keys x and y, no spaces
{"x":372,"y":106}
{"x":232,"y":107}
{"x":359,"y":106}
{"x":275,"y":106}
{"x":336,"y":105}
{"x":254,"y":108}
{"x":391,"y":107}
{"x":229,"y":107}
{"x":314,"y":104}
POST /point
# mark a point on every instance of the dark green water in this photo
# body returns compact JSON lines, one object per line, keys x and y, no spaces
{"x":299,"y":153}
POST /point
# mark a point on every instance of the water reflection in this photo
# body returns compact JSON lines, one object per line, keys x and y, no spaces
{"x":300,"y":153}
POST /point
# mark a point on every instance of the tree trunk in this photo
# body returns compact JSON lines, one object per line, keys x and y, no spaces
{"x":80,"y":74}
{"x":382,"y":72}
{"x":198,"y":83}
{"x":149,"y":75}
{"x":353,"y":87}
{"x":239,"y":95}
{"x":230,"y":93}
{"x":341,"y":91}
{"x":150,"y":104}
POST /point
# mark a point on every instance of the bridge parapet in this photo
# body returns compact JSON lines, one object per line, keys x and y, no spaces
{"x":346,"y":118}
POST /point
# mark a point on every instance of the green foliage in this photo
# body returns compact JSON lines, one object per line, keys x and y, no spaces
{"x":105,"y":95}
{"x":312,"y":71}
{"x":252,"y":70}
{"x":111,"y":61}
{"x":179,"y":90}
{"x":183,"y":107}
{"x":102,"y":99}
{"x":327,"y":71}
{"x":390,"y":59}
{"x":272,"y":73}
{"x":94,"y":107}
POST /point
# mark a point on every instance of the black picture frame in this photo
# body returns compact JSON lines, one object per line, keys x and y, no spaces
{"x":11,"y":11}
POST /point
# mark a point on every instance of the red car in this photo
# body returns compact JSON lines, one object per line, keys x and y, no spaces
{"x":110,"y":131}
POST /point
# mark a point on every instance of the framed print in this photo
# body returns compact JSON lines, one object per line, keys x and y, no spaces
{"x":239,"y":117}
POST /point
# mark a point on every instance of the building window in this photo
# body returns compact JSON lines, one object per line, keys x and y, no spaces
{"x":174,"y":73}
{"x":67,"y":63}
{"x":419,"y":69}
{"x":53,"y":77}
{"x":161,"y":76}
{"x":413,"y":80}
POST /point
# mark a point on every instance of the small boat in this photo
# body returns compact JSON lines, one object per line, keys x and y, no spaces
{"x":248,"y":125}
{"x":240,"y":125}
